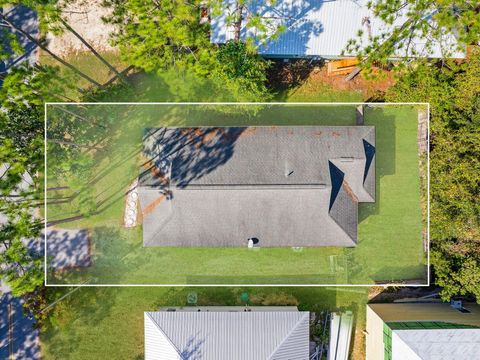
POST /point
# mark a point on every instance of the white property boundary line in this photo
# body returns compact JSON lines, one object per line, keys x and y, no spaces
{"x":376,"y":104}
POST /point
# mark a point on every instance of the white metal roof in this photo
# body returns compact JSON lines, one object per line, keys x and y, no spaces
{"x":436,"y":344}
{"x":227,"y":335}
{"x":340,"y":334}
{"x":318,"y":28}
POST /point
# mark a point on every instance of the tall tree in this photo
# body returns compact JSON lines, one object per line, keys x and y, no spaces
{"x":450,"y":25}
{"x":21,"y":161}
{"x":241,"y":71}
{"x":454,"y":93}
{"x":250,"y":16}
{"x":21,"y":182}
{"x":168,"y":35}
{"x":162,"y":34}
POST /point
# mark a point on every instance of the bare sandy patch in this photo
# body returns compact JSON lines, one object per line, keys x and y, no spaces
{"x":85,"y":17}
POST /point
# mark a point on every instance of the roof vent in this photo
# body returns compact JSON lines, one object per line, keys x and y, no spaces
{"x":253,"y":242}
{"x":288,"y":169}
{"x":458,"y":305}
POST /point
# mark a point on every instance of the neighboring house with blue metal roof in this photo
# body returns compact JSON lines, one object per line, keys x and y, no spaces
{"x":285,"y":186}
{"x":318,"y":28}
{"x":258,"y":333}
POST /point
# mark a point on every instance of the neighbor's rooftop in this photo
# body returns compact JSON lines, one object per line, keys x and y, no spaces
{"x":322,"y":28}
{"x":227,"y":335}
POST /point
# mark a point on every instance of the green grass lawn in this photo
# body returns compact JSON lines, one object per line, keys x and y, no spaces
{"x":107,"y":323}
{"x":389,"y":245}
{"x":390,"y":230}
{"x":90,"y":65}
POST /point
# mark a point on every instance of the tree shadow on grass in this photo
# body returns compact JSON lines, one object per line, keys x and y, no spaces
{"x":15,"y":322}
{"x":385,"y":153}
{"x":118,"y":254}
{"x":88,"y":306}
{"x":416,"y":274}
{"x":285,"y":76}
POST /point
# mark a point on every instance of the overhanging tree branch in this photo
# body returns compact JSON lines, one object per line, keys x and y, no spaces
{"x":44,"y":48}
{"x":101,"y":58}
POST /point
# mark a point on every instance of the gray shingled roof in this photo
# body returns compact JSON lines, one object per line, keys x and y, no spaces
{"x":232,"y":335}
{"x":287,"y":186}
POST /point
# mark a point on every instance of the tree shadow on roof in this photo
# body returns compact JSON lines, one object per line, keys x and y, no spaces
{"x":185,"y":154}
{"x":299,"y":28}
{"x":192,"y":349}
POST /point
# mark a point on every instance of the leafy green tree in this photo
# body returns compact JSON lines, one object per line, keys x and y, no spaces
{"x":165,"y":35}
{"x":158,"y":35}
{"x":21,"y":267}
{"x":457,"y":267}
{"x":241,"y":71}
{"x":50,"y":20}
{"x":452,"y":25}
{"x":453,"y":92}
{"x":249,"y":15}
{"x":21,"y":182}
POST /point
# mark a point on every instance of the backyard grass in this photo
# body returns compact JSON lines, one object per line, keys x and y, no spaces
{"x":312,"y":90}
{"x":389,"y":247}
{"x":90,"y":65}
{"x":107,"y":323}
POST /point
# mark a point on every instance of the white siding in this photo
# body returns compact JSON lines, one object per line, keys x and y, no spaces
{"x":374,"y":338}
{"x":157,"y":346}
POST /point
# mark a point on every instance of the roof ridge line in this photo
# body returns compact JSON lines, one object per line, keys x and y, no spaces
{"x":166,"y":337}
{"x":289,"y":333}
